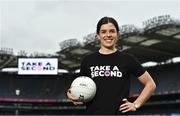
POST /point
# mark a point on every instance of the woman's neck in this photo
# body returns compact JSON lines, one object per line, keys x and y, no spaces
{"x":107,"y":50}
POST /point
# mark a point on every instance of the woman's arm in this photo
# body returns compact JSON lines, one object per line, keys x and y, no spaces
{"x":149,"y":87}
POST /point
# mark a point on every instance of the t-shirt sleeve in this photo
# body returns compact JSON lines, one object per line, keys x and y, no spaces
{"x":135,"y":67}
{"x":83,"y":68}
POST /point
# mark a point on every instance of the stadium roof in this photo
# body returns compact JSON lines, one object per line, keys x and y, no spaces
{"x":158,"y":41}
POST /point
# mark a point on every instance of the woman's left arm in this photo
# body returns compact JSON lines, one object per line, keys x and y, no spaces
{"x":149,"y":87}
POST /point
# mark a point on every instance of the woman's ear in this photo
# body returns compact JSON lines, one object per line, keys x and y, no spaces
{"x":97,"y":37}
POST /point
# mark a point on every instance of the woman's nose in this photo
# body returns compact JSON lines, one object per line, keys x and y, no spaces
{"x":108,"y":34}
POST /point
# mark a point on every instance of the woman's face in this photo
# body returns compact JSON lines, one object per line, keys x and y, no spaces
{"x":108,"y":36}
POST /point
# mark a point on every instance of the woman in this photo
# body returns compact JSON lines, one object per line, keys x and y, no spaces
{"x":111,"y":70}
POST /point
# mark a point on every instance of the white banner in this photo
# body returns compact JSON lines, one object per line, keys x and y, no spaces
{"x":30,"y":66}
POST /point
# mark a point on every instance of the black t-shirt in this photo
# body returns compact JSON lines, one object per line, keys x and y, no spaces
{"x":111,"y":74}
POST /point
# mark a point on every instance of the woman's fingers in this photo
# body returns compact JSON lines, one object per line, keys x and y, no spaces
{"x":126,"y":106}
{"x":125,"y":100}
{"x":70,"y":96}
{"x":73,"y":99}
{"x":78,"y":103}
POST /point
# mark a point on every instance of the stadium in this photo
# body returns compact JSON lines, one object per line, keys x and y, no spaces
{"x":156,"y":45}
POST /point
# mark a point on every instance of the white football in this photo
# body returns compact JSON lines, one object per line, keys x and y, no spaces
{"x":83,"y":88}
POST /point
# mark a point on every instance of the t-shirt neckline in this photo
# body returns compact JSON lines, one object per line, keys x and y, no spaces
{"x":113,"y":53}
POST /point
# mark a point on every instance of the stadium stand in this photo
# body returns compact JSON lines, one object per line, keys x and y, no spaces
{"x":158,"y":41}
{"x":49,"y":91}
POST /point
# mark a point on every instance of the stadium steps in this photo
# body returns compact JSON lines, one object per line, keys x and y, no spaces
{"x":7,"y":62}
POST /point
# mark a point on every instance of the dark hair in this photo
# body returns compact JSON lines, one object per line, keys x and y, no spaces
{"x":106,"y":20}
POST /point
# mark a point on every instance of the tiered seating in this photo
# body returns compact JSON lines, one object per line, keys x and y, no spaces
{"x":55,"y":86}
{"x":167,"y":79}
{"x":34,"y":87}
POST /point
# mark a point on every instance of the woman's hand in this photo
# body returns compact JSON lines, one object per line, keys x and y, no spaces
{"x":127,"y":106}
{"x":73,"y":99}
